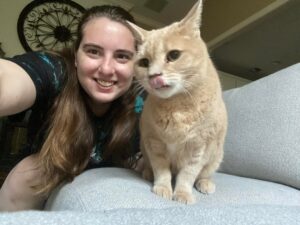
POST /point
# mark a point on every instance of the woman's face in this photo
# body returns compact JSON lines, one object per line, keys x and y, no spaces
{"x":104,"y":60}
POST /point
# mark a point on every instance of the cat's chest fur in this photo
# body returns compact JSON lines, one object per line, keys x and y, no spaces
{"x":172,"y":120}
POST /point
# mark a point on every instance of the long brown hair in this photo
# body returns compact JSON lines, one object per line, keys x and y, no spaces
{"x":71,"y":137}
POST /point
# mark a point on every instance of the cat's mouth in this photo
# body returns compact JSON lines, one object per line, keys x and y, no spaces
{"x":157,"y":82}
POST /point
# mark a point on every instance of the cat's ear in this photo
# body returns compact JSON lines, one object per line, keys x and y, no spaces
{"x":138,"y":31}
{"x":193,"y":19}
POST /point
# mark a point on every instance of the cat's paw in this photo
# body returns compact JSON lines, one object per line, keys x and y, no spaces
{"x":163,"y":191}
{"x":184,"y":197}
{"x":205,"y":186}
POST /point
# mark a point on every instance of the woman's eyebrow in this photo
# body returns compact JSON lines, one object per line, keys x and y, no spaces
{"x":125,"y":51}
{"x":88,"y":45}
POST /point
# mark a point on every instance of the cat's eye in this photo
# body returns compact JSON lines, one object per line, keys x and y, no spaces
{"x":173,"y":55}
{"x":144,"y":62}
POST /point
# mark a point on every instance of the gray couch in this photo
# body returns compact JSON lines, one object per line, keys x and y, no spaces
{"x":258,"y":182}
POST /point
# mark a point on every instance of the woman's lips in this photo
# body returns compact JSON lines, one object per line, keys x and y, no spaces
{"x":105,"y":84}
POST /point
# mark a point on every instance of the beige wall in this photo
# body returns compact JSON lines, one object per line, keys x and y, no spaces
{"x":230,"y":81}
{"x":9,"y":13}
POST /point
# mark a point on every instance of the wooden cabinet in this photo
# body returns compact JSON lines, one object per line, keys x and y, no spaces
{"x":13,"y":137}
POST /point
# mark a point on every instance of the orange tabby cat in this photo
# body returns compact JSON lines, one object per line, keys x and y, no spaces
{"x":183,"y":123}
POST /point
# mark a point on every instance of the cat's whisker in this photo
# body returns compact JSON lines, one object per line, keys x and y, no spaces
{"x":141,"y":91}
{"x":138,"y":82}
{"x":188,"y":84}
{"x":138,"y":90}
{"x":173,"y":78}
{"x":191,"y":96}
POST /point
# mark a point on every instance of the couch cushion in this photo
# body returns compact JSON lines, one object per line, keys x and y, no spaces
{"x":218,"y":215}
{"x":263,"y":139}
{"x":114,"y":188}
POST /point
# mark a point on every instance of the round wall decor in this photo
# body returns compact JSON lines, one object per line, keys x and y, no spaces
{"x":49,"y":24}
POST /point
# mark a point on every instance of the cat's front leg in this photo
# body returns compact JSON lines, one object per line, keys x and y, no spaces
{"x":160,"y":164}
{"x":204,"y":182}
{"x":187,"y":174}
{"x":184,"y":185}
{"x":162,"y":183}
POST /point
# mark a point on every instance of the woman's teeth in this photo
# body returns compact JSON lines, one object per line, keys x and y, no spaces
{"x":105,"y":83}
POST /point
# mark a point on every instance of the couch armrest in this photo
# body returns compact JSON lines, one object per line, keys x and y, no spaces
{"x":263,"y":139}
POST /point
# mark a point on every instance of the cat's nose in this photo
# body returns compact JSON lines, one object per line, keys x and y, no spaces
{"x":157,"y":81}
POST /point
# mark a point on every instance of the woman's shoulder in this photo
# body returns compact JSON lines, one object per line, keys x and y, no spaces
{"x":47,"y":71}
{"x":50,"y":58}
{"x":37,"y":63}
{"x":43,"y":56}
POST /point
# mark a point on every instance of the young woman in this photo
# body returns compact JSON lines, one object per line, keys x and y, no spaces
{"x":82,"y":106}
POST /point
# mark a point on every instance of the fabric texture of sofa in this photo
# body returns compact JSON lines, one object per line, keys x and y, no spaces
{"x":258,"y":182}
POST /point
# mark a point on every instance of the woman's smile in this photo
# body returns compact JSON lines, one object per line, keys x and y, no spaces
{"x":105,"y":84}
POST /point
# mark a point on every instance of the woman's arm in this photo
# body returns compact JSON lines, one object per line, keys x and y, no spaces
{"x":17,"y":90}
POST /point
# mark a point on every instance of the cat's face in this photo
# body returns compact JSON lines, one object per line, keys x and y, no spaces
{"x":169,"y":60}
{"x":169,"y":63}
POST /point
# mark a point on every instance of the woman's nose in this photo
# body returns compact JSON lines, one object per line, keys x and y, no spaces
{"x":107,"y":66}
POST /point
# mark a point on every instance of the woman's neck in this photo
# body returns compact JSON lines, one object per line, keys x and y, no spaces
{"x":99,"y":109}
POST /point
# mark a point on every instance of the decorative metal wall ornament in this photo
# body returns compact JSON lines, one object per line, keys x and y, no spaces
{"x":49,"y":24}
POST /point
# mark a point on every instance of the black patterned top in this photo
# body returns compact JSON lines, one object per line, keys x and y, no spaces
{"x":47,"y":71}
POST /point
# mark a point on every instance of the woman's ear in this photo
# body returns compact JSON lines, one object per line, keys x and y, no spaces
{"x":75,"y":60}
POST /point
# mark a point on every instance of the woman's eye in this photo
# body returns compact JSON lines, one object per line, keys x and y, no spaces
{"x":123,"y":58}
{"x":93,"y":52}
{"x":144,"y":62}
{"x":173,"y":55}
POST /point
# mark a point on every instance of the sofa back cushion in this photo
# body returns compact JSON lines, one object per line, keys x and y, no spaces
{"x":263,"y":138}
